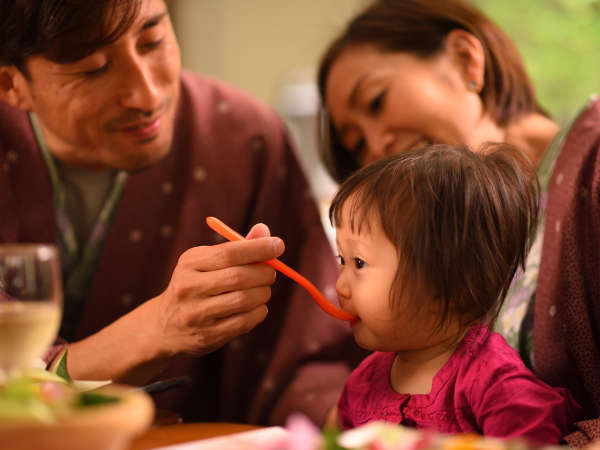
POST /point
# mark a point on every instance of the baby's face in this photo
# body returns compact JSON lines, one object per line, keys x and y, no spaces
{"x":368,"y":263}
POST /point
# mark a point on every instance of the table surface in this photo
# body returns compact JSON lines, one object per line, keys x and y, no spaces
{"x":160,"y":436}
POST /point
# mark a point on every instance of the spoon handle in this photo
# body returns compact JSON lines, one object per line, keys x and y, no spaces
{"x":232,"y":235}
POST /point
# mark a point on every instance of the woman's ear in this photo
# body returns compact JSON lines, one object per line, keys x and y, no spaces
{"x":14,"y":88}
{"x":466,"y":51}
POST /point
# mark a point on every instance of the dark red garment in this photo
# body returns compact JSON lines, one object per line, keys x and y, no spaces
{"x":483,"y":388}
{"x":231,"y":158}
{"x":567,"y":303}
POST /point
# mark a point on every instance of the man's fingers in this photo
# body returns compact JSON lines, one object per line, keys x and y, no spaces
{"x":230,"y":254}
{"x":237,"y":278}
{"x":238,"y":324}
{"x":245,"y":322}
{"x":219,"y":332}
{"x":259,"y":230}
{"x":228,"y":304}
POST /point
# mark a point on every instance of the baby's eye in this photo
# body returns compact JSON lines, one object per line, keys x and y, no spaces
{"x":340,"y":259}
{"x":359,"y":263}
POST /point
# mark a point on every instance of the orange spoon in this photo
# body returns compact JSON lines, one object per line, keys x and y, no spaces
{"x":332,"y":310}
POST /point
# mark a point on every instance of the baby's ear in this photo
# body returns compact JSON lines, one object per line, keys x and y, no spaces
{"x":466,"y":51}
{"x":14,"y":88}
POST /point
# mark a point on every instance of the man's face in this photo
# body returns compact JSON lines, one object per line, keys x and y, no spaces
{"x":115,"y":107}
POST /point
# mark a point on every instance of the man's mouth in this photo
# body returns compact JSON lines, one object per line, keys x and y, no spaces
{"x":143,"y":129}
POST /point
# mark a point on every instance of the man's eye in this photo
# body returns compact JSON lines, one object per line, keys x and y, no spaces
{"x":359,"y":263}
{"x":98,"y":71}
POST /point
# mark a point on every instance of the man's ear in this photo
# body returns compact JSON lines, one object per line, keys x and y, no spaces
{"x":14,"y":88}
{"x":466,"y":51}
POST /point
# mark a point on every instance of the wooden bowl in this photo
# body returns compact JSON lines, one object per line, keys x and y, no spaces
{"x":110,"y":426}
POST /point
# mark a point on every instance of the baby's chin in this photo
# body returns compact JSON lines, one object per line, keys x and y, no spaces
{"x":364,"y":341}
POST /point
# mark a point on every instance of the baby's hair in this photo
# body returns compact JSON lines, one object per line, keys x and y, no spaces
{"x":462,"y":223}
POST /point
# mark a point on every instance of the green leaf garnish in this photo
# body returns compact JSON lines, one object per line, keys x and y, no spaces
{"x":19,"y":400}
{"x":60,"y":368}
{"x":330,"y":436}
{"x":93,"y":398}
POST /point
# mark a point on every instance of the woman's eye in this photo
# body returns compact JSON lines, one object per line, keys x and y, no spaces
{"x":359,"y":263}
{"x":152,"y":45}
{"x":359,"y":146}
{"x":377,"y":102}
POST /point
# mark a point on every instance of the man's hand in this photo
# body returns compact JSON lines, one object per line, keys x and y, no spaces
{"x":216,"y":293}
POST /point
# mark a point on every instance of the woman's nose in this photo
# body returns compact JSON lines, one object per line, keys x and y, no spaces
{"x":141,"y":91}
{"x":387,"y":142}
{"x":379,"y":145}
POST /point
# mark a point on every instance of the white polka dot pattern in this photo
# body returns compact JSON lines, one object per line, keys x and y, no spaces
{"x":135,"y":236}
{"x":127,"y":299}
{"x":166,"y":231}
{"x":199,"y":174}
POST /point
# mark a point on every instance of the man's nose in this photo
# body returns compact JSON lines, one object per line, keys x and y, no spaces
{"x":140,"y":89}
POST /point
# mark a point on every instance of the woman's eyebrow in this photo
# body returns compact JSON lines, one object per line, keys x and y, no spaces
{"x":153,"y":21}
{"x":353,"y":98}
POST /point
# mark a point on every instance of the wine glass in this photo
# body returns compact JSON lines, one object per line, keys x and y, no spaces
{"x":30,"y":304}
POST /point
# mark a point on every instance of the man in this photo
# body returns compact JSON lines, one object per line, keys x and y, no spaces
{"x":108,"y":149}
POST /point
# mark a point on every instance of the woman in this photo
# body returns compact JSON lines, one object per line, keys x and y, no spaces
{"x":405,"y":73}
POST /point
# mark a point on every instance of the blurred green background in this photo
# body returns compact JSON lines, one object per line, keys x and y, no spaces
{"x":560,"y":42}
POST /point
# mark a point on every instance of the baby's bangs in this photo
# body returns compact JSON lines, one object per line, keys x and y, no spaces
{"x":356,"y":209}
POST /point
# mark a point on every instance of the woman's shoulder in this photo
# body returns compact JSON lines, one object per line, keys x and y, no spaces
{"x":587,"y":117}
{"x":587,"y":121}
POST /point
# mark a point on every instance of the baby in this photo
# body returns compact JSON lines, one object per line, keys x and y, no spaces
{"x":428,"y":243}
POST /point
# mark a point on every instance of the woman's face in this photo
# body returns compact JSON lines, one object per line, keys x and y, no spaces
{"x":385,"y":103}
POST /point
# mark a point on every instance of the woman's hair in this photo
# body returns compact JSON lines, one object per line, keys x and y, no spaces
{"x":420,"y":27}
{"x":62,"y":30}
{"x":462,"y":222}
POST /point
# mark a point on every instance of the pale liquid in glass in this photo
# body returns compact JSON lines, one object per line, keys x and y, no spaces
{"x":27,"y":329}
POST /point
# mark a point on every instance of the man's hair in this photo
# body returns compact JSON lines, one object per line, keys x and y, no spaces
{"x":63,"y":31}
{"x":420,"y":27}
{"x":462,"y":222}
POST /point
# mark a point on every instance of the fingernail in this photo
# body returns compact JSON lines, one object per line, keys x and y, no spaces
{"x":278,"y":246}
